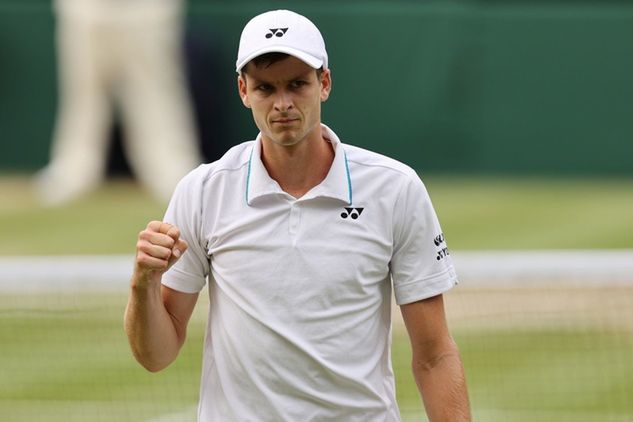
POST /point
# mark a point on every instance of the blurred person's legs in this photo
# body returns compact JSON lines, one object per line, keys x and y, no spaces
{"x":129,"y":52}
{"x":79,"y":148}
{"x":160,"y":138}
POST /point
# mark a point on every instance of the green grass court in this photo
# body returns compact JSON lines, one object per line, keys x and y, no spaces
{"x":476,"y":213}
{"x":533,"y":354}
{"x":65,"y":358}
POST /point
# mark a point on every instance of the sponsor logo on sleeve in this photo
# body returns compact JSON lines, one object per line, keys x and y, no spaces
{"x":440,"y":243}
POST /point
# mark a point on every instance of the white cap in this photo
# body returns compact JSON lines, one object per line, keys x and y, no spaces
{"x":282,"y":31}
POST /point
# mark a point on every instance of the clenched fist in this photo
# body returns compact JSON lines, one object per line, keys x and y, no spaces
{"x":159,"y":246}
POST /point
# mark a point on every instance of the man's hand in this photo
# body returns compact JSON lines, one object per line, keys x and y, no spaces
{"x":159,"y":246}
{"x":156,"y":317}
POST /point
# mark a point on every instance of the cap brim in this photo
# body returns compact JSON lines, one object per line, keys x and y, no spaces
{"x":310,"y":60}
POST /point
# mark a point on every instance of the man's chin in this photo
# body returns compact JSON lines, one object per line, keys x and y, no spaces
{"x":287,"y":143}
{"x":286,"y":139}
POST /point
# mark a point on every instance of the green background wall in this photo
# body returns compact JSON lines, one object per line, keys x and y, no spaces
{"x":446,"y":86}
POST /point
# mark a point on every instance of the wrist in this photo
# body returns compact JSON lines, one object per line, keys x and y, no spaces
{"x":146,"y":280}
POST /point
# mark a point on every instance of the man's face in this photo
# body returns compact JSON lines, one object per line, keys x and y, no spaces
{"x":285,"y":99}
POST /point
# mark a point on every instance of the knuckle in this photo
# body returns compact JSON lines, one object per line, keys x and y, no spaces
{"x":142,"y":260}
{"x":162,"y":264}
{"x":146,"y":235}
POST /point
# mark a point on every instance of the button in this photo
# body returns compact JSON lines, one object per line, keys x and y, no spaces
{"x":295,"y":218}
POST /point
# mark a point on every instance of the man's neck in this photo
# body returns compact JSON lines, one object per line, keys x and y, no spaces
{"x":300,"y":167}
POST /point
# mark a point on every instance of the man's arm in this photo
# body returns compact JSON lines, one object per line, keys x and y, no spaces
{"x":437,"y":366}
{"x":156,"y":316}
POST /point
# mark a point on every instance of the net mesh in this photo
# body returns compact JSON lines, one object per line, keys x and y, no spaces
{"x":532,"y":351}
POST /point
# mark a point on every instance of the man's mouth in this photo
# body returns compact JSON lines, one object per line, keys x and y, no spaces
{"x":284,"y":120}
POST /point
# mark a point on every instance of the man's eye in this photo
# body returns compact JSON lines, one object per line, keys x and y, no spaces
{"x":264,"y":87}
{"x":297,"y":84}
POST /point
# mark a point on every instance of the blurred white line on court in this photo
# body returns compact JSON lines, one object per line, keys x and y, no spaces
{"x":37,"y":274}
{"x":498,"y":269}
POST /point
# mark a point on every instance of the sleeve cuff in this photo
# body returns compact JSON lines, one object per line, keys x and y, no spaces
{"x":425,"y":288}
{"x":182,"y":282}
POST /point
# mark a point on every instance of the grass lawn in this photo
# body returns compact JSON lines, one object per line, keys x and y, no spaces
{"x":534,"y":213}
{"x":476,"y":213}
{"x":65,"y":358}
{"x":105,"y":222}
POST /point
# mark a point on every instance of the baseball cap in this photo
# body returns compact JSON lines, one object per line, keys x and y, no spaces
{"x":282,"y":31}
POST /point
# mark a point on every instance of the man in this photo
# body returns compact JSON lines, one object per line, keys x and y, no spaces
{"x":301,"y":238}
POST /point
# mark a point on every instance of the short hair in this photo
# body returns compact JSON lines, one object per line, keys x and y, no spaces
{"x":268,"y":59}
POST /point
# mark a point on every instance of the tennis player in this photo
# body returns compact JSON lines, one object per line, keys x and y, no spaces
{"x":301,"y":240}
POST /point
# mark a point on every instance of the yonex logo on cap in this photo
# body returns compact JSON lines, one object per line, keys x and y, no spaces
{"x":278,"y":32}
{"x":354,"y":213}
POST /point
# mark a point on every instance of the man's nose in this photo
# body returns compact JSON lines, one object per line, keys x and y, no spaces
{"x":283,"y":101}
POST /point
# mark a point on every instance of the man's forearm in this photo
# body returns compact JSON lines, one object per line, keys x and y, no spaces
{"x":150,"y":329}
{"x":443,"y":386}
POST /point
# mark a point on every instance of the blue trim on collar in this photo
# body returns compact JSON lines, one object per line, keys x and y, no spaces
{"x":248,"y":175}
{"x":349,"y":177}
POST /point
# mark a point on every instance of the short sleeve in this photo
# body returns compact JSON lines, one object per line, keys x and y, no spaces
{"x":421,"y":266}
{"x":190,"y":272}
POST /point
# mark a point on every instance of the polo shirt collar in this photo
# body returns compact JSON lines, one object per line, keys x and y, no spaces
{"x":337,"y":184}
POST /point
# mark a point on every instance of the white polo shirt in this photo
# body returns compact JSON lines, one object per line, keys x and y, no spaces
{"x":300,"y":321}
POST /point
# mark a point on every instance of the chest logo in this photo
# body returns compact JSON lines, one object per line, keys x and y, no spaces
{"x":352,"y":213}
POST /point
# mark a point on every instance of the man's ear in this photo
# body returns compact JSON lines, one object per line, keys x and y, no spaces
{"x":326,"y":84}
{"x":241,"y":89}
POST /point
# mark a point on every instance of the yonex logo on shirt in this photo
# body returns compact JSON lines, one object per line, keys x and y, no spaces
{"x":439,"y":239}
{"x":443,"y":252}
{"x":354,"y":213}
{"x":278,"y":32}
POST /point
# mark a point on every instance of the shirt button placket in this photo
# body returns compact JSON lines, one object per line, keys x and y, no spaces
{"x":295,"y":218}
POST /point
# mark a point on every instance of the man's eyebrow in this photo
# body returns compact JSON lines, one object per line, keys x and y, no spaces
{"x":259,"y":81}
{"x":255,"y":79}
{"x":304,"y":75}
